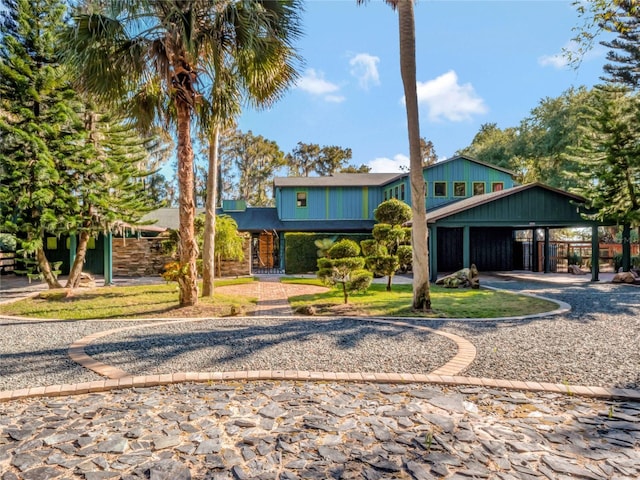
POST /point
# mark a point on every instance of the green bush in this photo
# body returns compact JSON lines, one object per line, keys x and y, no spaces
{"x":7,"y":242}
{"x":301,"y":252}
{"x":344,"y":268}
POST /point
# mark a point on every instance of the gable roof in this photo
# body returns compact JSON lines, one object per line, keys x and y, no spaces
{"x":479,"y":200}
{"x":471,"y":159}
{"x":338,"y":180}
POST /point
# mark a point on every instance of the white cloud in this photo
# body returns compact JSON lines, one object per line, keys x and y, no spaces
{"x":365,"y":68}
{"x":446,"y":99}
{"x":571,"y":49}
{"x":559,"y":60}
{"x":335,"y":98}
{"x":314,"y":83}
{"x":388,"y":165}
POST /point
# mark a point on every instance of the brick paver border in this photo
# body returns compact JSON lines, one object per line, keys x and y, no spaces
{"x":445,"y":375}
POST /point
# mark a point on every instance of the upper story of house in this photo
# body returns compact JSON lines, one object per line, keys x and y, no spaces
{"x":355,"y":196}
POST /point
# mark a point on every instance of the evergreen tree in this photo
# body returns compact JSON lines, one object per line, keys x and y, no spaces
{"x":108,"y":184}
{"x":624,"y":20}
{"x":303,"y":159}
{"x":40,"y":127}
{"x":609,"y":156}
{"x":332,"y":158}
{"x":257,"y":160}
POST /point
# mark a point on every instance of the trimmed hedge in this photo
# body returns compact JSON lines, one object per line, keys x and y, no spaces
{"x":301,"y":253}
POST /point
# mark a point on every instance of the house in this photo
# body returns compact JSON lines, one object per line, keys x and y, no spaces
{"x":474,"y":213}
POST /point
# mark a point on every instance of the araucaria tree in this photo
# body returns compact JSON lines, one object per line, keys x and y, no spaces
{"x":609,"y":156}
{"x":344,"y":268}
{"x":40,"y":128}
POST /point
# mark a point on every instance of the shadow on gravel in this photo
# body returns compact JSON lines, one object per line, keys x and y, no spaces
{"x":234,"y":344}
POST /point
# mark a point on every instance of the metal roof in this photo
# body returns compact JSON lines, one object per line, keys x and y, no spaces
{"x":338,"y":180}
{"x":257,"y":219}
{"x":531,"y":203}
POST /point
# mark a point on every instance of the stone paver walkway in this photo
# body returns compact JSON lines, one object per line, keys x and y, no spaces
{"x":317,"y":425}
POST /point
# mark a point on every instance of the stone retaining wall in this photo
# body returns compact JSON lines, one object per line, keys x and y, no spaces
{"x":143,"y":257}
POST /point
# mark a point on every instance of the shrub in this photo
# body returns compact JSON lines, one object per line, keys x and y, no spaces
{"x":344,"y":268}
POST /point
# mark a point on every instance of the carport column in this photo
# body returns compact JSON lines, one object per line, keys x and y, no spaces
{"x":466,"y":247}
{"x":595,"y":254}
{"x":626,"y":247}
{"x":534,"y":250}
{"x":547,"y":260}
{"x":108,"y":258}
{"x":73,"y":246}
{"x":433,"y":253}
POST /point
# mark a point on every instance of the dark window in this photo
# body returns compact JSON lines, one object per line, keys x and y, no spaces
{"x":385,"y":195}
{"x":459,"y":189}
{"x":478,"y":188}
{"x":439,"y":189}
{"x":402,"y":192}
{"x":396,"y":192}
{"x":301,"y":199}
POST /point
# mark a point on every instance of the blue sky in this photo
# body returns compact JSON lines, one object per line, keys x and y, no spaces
{"x":477,"y":62}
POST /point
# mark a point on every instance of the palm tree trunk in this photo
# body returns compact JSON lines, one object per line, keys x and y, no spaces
{"x":188,"y":248}
{"x":45,"y":269}
{"x":421,"y":289}
{"x":81,"y":253}
{"x":208,"y":249}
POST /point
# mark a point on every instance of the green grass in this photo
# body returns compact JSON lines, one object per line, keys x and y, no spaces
{"x":446,"y":303}
{"x":128,"y":302}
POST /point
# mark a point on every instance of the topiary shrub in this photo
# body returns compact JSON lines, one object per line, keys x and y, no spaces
{"x":344,"y":268}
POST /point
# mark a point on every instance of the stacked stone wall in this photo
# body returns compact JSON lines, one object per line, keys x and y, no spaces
{"x":143,"y":257}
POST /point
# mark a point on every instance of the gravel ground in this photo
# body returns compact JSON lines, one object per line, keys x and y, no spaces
{"x":274,"y":344}
{"x":34,"y":352}
{"x":597,"y":343}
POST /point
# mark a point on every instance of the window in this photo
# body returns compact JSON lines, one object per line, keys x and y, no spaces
{"x":497,"y":186}
{"x":301,"y":199}
{"x":385,"y":195}
{"x":439,"y":189}
{"x":402,"y":192}
{"x":459,"y":189}
{"x":396,"y":192}
{"x":478,"y":188}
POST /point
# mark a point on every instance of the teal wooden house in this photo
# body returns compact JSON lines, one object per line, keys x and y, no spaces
{"x":474,"y":214}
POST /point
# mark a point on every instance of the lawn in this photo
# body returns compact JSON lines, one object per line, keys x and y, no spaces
{"x":141,"y":301}
{"x":446,"y":302}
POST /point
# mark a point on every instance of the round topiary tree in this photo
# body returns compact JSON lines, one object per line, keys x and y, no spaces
{"x":344,"y":268}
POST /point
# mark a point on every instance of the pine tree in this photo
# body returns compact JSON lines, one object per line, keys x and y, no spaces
{"x":609,"y":156}
{"x":37,"y":115}
{"x":624,"y":20}
{"x":108,"y":183}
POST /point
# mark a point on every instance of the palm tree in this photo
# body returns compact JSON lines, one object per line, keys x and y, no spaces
{"x":253,"y":60}
{"x":419,"y":240}
{"x":149,"y":55}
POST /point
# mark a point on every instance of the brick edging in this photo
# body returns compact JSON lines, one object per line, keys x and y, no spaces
{"x":295,"y":375}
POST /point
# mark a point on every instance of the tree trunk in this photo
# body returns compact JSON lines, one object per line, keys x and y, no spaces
{"x":187,"y":246}
{"x":45,"y":269}
{"x":208,"y":249}
{"x":81,"y":253}
{"x":421,"y":290}
{"x":389,"y":279}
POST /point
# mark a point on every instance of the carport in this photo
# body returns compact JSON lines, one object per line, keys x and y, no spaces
{"x":481,"y":229}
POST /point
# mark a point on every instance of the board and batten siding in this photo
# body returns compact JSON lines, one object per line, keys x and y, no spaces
{"x":461,"y":170}
{"x":328,"y":203}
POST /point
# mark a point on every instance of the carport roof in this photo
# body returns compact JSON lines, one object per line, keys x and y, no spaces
{"x":526,"y":206}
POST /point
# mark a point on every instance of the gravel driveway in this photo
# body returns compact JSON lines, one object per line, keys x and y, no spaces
{"x":597,"y":343}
